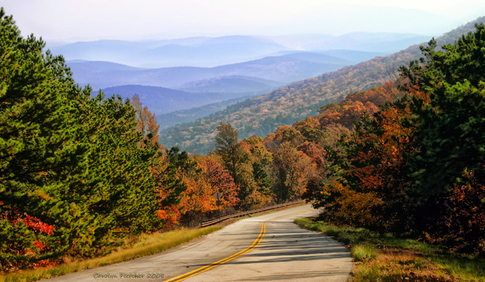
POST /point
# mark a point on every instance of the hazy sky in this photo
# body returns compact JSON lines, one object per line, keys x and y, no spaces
{"x":74,"y":20}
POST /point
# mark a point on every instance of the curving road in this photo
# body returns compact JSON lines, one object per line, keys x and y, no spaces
{"x":264,"y":248}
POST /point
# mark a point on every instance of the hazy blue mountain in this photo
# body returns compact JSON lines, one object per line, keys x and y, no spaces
{"x":84,"y":65}
{"x":284,"y":69}
{"x":280,"y":68}
{"x":234,"y":83}
{"x":162,"y":100}
{"x":211,"y":52}
{"x":196,"y":51}
{"x":300,"y":42}
{"x":263,"y":114}
{"x":99,"y":75}
{"x":116,"y":50}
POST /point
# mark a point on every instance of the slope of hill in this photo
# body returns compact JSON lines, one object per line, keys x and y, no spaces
{"x":185,"y":116}
{"x":162,"y":100}
{"x":354,"y":57}
{"x":263,"y":114}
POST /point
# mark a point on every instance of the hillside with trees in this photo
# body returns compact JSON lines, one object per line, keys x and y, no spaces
{"x":415,"y":167}
{"x":262,"y":115}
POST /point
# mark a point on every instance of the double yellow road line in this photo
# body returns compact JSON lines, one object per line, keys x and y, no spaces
{"x":222,"y":261}
{"x":229,"y":258}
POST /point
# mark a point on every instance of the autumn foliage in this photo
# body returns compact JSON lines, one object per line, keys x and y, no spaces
{"x":415,"y":167}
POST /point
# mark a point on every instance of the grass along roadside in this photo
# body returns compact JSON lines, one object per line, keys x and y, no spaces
{"x":383,"y":257}
{"x":143,"y":246}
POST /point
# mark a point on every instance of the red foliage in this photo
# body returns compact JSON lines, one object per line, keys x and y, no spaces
{"x":44,"y":264}
{"x":220,"y":180}
{"x":36,"y":224}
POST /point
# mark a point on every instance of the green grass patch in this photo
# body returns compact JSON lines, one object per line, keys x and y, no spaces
{"x":371,"y":274}
{"x":141,"y":246}
{"x":363,"y":252}
{"x":384,"y":257}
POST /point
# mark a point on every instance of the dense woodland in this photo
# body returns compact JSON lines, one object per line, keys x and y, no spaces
{"x":80,"y":173}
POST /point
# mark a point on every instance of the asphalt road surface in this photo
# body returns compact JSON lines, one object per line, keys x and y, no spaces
{"x":264,"y":248}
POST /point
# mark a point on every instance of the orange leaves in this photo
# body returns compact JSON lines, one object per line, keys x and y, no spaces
{"x":38,"y":245}
{"x":457,"y":219}
{"x":201,"y":180}
{"x":355,"y":104}
{"x":162,"y":214}
{"x":169,"y":215}
{"x":351,"y":207}
{"x":219,"y":180}
{"x":309,"y":122}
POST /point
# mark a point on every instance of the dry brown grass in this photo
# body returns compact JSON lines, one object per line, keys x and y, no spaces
{"x":395,"y":264}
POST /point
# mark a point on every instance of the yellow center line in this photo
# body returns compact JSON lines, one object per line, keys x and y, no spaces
{"x":229,"y":258}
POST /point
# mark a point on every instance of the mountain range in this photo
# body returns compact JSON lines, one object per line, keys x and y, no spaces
{"x":225,"y":50}
{"x":229,"y":71}
{"x":263,"y":114}
{"x":281,"y":69}
{"x":165,"y":100}
{"x":256,"y":65}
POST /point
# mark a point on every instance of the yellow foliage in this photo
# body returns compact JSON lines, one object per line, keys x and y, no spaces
{"x":355,"y":208}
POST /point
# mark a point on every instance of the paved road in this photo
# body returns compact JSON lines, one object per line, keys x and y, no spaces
{"x":263,"y":248}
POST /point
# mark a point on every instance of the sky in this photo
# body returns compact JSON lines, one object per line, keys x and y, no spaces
{"x":89,"y":20}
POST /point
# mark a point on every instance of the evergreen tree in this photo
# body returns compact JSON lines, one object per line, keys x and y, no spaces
{"x":450,"y":122}
{"x":72,"y":177}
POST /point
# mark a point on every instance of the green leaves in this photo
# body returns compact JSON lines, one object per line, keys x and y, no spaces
{"x":69,"y":160}
{"x":450,"y":124}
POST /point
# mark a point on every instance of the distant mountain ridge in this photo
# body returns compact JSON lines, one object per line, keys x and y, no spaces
{"x":225,"y":50}
{"x":232,"y":83}
{"x":162,"y":100}
{"x":285,"y":68}
{"x":199,"y":51}
{"x":262,"y":115}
